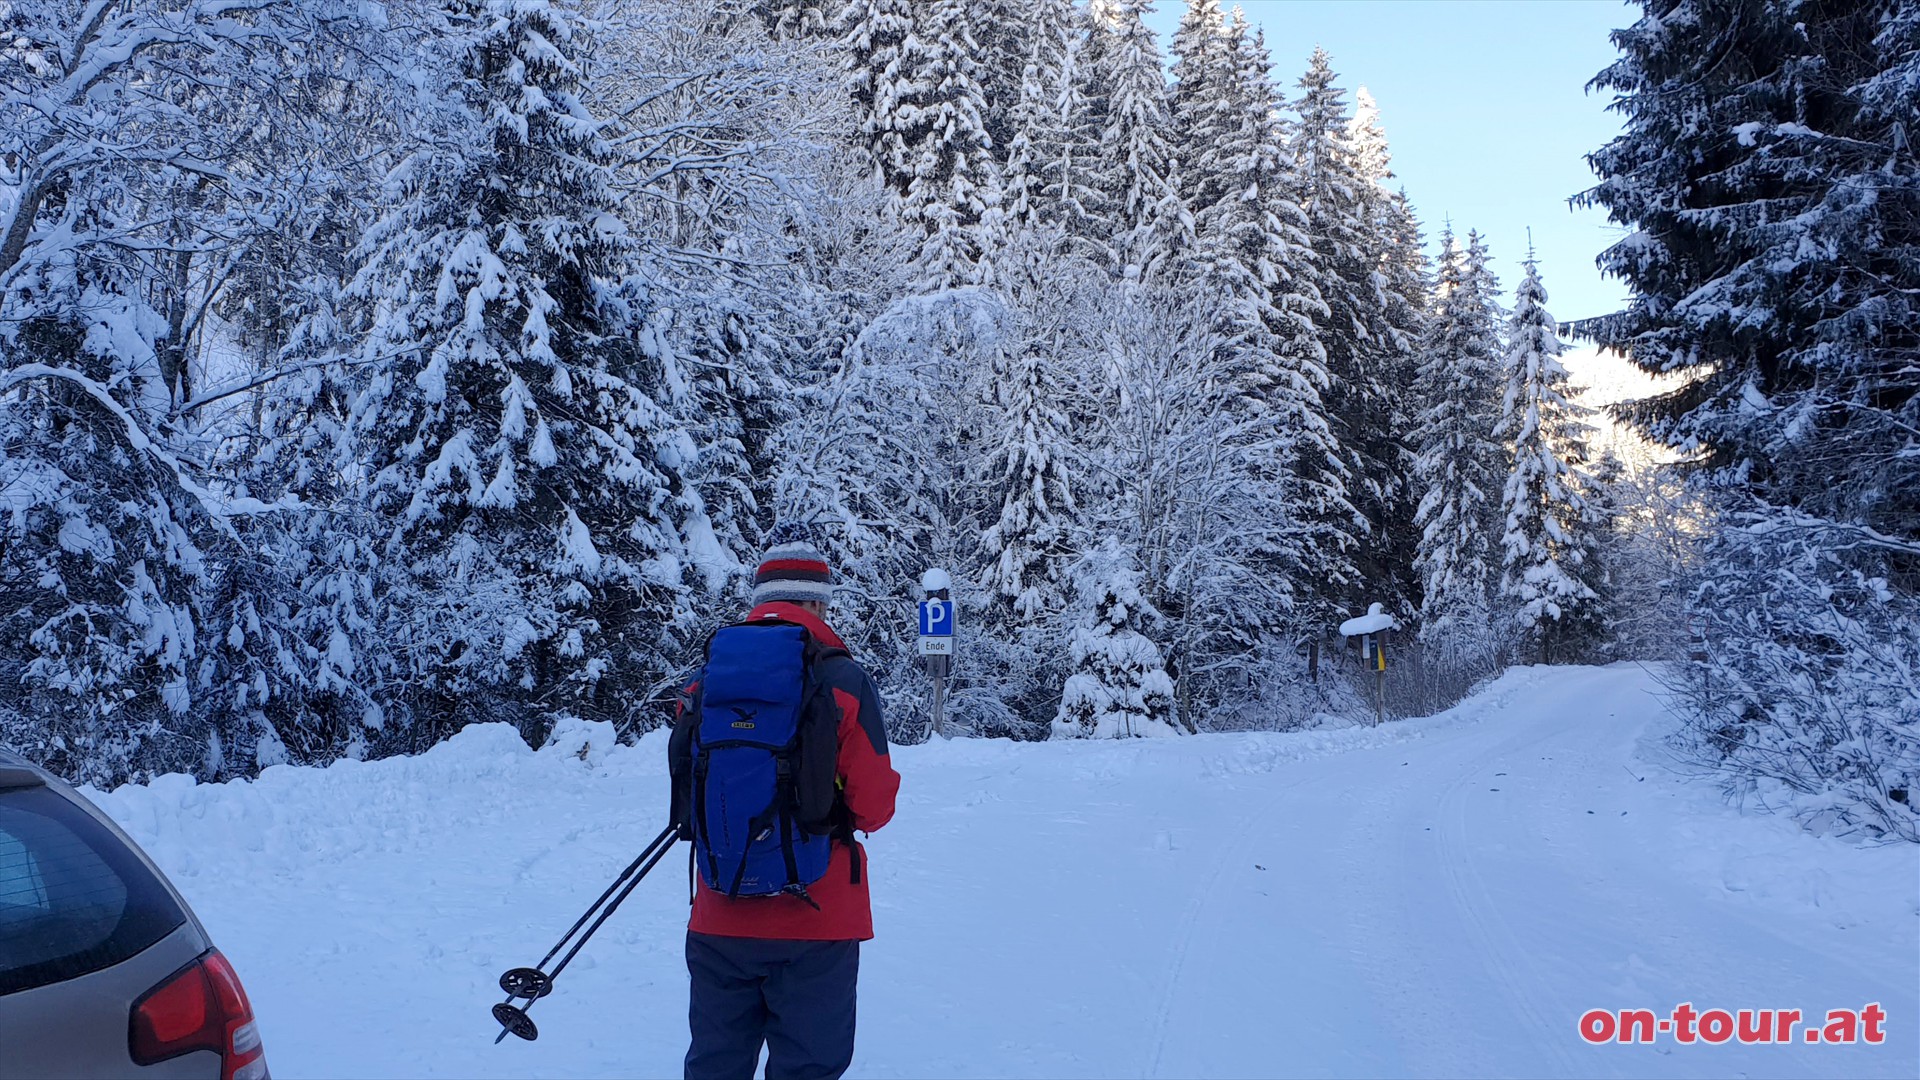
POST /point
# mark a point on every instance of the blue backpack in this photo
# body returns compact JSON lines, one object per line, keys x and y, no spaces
{"x":755,"y":762}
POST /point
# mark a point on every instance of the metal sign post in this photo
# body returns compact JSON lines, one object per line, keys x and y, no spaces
{"x":936,"y":639}
{"x":940,"y":703}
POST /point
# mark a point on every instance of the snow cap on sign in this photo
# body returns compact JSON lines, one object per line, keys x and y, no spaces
{"x":936,"y":580}
{"x":1372,"y":622}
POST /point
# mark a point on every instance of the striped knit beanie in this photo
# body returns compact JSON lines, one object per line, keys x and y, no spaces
{"x":793,"y":569}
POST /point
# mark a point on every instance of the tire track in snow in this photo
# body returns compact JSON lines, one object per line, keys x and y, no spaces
{"x":1509,"y":963}
{"x":1237,"y":850}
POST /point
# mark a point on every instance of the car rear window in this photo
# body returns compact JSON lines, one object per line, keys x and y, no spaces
{"x":73,"y":898}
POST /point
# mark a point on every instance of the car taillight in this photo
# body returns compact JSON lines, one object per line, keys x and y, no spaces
{"x":199,"y":1007}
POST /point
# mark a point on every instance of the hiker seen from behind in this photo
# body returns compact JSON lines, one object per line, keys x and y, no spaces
{"x":778,"y":758}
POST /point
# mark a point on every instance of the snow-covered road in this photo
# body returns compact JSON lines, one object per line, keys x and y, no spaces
{"x":1436,"y":897}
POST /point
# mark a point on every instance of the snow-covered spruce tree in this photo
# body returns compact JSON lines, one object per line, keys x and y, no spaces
{"x":1362,"y":350}
{"x":1119,"y":686}
{"x":105,"y":566}
{"x":1477,"y":269}
{"x":1026,"y":478}
{"x":1136,"y":170}
{"x":1202,"y":106}
{"x":788,"y":19}
{"x":1461,"y":466}
{"x":1022,"y":194}
{"x":1398,"y":255}
{"x":1031,"y":437}
{"x":879,"y":51}
{"x":1032,"y":123}
{"x":1251,"y":253}
{"x":1396,"y":232}
{"x":1052,"y":180}
{"x":954,"y":185}
{"x":295,"y":652}
{"x":1613,"y":495}
{"x":1027,"y":432}
{"x":1372,"y":159}
{"x":1218,"y":140}
{"x":1321,"y":511}
{"x":524,"y":477}
{"x":920,"y":108}
{"x":1004,"y":33}
{"x":1551,"y":576}
{"x":148,"y":147}
{"x":1768,"y":174}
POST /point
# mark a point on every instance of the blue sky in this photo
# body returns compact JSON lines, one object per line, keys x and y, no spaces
{"x":1485,"y":107}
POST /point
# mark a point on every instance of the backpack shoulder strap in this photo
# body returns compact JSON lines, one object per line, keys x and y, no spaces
{"x":839,"y":821}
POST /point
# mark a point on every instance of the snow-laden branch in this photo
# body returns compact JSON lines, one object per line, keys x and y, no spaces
{"x":217,"y":507}
{"x":1840,"y":535}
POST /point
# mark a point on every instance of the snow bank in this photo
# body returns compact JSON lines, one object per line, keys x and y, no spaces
{"x":294,"y":817}
{"x":1768,"y":861}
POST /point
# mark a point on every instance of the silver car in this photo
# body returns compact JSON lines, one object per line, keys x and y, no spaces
{"x":103,"y":969}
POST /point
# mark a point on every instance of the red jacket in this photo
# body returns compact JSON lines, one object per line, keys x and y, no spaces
{"x":870,"y":784}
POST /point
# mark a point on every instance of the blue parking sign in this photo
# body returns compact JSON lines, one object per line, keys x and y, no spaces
{"x":936,"y":618}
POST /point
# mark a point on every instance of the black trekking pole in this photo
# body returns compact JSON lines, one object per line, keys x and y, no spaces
{"x":535,"y":982}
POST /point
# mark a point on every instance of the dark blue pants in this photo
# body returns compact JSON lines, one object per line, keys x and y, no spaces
{"x":795,"y":996}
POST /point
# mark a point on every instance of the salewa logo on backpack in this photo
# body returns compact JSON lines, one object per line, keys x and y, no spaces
{"x":755,"y":762}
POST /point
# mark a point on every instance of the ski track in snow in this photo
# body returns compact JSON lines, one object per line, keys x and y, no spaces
{"x":1430,"y":898}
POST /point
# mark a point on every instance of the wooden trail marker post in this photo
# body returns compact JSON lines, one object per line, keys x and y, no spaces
{"x":1372,"y":629}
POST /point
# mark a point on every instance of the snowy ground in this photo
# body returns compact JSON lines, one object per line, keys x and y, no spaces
{"x":1437,"y":897}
